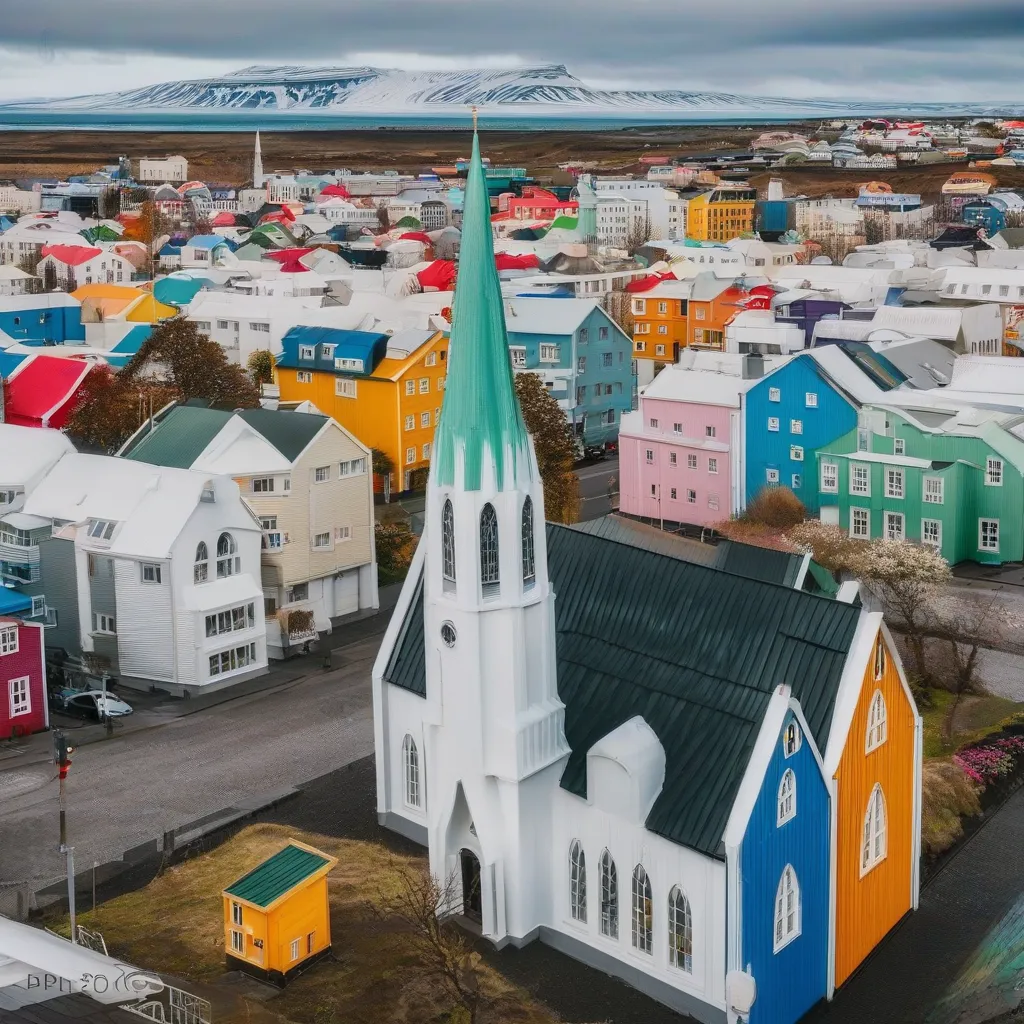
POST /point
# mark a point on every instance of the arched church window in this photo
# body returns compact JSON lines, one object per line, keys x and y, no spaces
{"x":448,"y":545}
{"x":643,"y":911}
{"x":609,"y":897}
{"x":680,"y":931}
{"x":489,"y":572}
{"x":201,"y":569}
{"x":529,"y":566}
{"x":577,"y":882}
{"x":411,"y":763}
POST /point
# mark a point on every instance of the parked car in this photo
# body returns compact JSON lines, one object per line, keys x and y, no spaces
{"x":94,"y":704}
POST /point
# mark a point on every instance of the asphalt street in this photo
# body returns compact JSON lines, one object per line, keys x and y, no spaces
{"x":129,"y":790}
{"x":599,"y":484}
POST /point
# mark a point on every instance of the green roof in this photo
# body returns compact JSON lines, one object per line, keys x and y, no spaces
{"x":278,"y":875}
{"x":182,"y":435}
{"x":756,"y":563}
{"x":480,"y":412}
{"x":695,"y":651}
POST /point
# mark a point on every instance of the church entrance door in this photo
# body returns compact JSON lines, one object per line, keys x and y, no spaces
{"x":472,"y":907}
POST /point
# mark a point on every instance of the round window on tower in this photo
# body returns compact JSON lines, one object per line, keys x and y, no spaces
{"x":448,"y":634}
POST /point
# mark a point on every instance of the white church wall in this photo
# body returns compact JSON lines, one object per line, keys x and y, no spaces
{"x":667,"y":864}
{"x":405,"y":715}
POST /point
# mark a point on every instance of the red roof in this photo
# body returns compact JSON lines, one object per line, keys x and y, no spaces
{"x":41,"y":391}
{"x":72,"y":255}
{"x":287,"y":255}
{"x":336,"y":190}
{"x":506,"y":261}
{"x":416,"y":236}
{"x":645,"y":284}
{"x":224,"y":219}
{"x":439,"y":276}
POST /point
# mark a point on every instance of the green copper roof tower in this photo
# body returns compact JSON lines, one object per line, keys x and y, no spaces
{"x":480,"y":413}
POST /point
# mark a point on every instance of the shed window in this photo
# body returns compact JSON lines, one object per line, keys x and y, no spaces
{"x":609,"y":897}
{"x":577,"y":882}
{"x":236,"y":914}
{"x":680,"y":931}
{"x":877,"y":722}
{"x":787,"y":797}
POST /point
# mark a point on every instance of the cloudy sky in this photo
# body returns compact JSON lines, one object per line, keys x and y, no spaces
{"x":926,"y":50}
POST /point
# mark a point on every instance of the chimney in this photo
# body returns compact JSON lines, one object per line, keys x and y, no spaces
{"x":753,"y":366}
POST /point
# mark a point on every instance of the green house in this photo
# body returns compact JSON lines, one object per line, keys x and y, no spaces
{"x":950,"y":479}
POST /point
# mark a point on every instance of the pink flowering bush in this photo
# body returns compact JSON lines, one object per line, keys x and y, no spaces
{"x":992,"y":760}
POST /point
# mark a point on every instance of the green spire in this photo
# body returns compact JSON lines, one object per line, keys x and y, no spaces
{"x":480,"y":411}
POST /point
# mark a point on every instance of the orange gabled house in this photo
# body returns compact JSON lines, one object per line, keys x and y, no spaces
{"x":873,"y":758}
{"x":713,"y":302}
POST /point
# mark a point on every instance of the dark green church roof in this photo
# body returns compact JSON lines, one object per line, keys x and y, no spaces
{"x":277,"y":875}
{"x":697,"y":652}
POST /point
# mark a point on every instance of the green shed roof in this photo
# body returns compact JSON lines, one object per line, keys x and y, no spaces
{"x":278,"y":875}
{"x":181,"y":436}
{"x":758,"y":563}
{"x":695,"y":651}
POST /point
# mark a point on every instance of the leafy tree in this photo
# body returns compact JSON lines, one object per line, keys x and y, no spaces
{"x":395,"y":546}
{"x":176,"y":363}
{"x":555,"y":447}
{"x":261,"y":367}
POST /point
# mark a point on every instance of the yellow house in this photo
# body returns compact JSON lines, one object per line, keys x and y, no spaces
{"x":386,"y":390}
{"x":721,"y":214}
{"x":277,"y":917}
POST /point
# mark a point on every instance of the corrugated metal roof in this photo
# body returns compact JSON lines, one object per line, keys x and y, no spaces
{"x":276,"y":876}
{"x":179,"y":438}
{"x":756,"y":563}
{"x":289,"y":432}
{"x":639,"y":535}
{"x":696,"y":652}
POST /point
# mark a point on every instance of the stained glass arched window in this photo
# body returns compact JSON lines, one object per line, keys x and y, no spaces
{"x":680,"y":931}
{"x":489,"y":566}
{"x":448,"y":545}
{"x":529,"y":565}
{"x":642,"y":911}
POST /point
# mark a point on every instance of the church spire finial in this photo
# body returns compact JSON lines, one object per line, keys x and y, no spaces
{"x":474,"y":111}
{"x":481,"y":414}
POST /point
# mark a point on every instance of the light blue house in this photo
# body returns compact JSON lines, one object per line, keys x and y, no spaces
{"x":582,"y":356}
{"x":807,"y":402}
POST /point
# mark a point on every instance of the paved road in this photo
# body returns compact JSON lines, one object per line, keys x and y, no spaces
{"x":127,"y":791}
{"x":594,"y":486}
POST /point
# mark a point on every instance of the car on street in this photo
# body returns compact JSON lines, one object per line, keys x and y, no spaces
{"x":92,"y":704}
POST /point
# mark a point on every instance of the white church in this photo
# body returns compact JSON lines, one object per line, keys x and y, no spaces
{"x":588,"y":736}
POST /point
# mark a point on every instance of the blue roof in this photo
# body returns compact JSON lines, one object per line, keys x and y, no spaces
{"x":13,"y":601}
{"x":9,"y":362}
{"x":209,"y":242}
{"x":170,"y":250}
{"x":366,"y":346}
{"x":132,"y":341}
{"x":178,"y":291}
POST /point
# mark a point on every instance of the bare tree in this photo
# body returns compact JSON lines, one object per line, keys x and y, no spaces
{"x":442,"y":953}
{"x":638,"y":234}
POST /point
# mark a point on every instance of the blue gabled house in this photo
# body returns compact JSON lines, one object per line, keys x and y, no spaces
{"x":47,"y":319}
{"x":582,"y":356}
{"x":807,"y":402}
{"x":783,"y":865}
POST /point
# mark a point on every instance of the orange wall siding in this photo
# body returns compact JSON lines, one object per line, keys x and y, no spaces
{"x":866,"y":908}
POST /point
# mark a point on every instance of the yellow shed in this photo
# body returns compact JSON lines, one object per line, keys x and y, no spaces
{"x":277,"y":918}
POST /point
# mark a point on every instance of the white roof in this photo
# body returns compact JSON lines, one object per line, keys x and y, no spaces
{"x":546,"y":316}
{"x":706,"y":378}
{"x":845,"y":372}
{"x":994,"y":374}
{"x":151,"y":503}
{"x":881,"y":457}
{"x":940,"y":322}
{"x":27,"y":451}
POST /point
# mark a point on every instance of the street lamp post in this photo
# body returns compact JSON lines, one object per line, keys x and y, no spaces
{"x":62,"y":758}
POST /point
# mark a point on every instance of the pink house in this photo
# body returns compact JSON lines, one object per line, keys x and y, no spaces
{"x":680,"y":452}
{"x":23,"y":707}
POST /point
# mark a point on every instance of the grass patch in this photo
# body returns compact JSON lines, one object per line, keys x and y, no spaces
{"x":175,"y":925}
{"x":947,"y":796}
{"x":975,"y":718}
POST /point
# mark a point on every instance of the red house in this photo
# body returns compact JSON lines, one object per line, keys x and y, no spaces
{"x":23,"y":707}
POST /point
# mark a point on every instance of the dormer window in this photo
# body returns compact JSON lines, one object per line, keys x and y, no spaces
{"x":307,"y":352}
{"x":101,"y":529}
{"x":342,"y":363}
{"x":791,"y":739}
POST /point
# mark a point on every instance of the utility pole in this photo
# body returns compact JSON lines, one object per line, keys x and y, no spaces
{"x":62,"y":758}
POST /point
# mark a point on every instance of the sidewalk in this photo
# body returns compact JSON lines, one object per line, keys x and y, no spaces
{"x":159,"y":709}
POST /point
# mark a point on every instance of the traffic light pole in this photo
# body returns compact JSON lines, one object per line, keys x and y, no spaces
{"x":62,"y":758}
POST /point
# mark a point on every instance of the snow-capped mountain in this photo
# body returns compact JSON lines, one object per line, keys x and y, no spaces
{"x":523,"y":92}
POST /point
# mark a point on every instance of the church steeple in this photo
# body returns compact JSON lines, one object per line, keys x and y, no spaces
{"x":481,"y":430}
{"x":257,"y":165}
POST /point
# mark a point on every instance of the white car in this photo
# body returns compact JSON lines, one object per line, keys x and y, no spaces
{"x":94,"y":704}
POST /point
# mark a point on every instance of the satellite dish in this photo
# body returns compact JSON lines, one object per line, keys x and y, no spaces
{"x":822,"y":261}
{"x":740,"y":991}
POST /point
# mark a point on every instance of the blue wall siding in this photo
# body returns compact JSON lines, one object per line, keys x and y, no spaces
{"x":54,"y":324}
{"x":794,"y":979}
{"x":765,"y":449}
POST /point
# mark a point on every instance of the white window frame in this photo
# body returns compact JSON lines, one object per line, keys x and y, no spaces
{"x":691,"y":461}
{"x":855,"y":469}
{"x":344,"y":387}
{"x":547,"y":353}
{"x":410,"y":456}
{"x":785,"y":809}
{"x":295,"y":949}
{"x":577,"y":882}
{"x":787,"y":909}
{"x":874,"y":837}
{"x":322,"y":541}
{"x":321,"y":474}
{"x":889,"y":532}
{"x":19,"y":695}
{"x":926,"y":525}
{"x":796,"y":426}
{"x":303,"y":377}
{"x":774,"y":394}
{"x":796,"y":453}
{"x":791,"y":739}
{"x":412,"y":784}
{"x":811,"y":400}
{"x":981,"y":535}
{"x":104,"y":623}
{"x":830,"y":477}
{"x":895,"y":482}
{"x":236,"y":914}
{"x":899,"y":446}
{"x":866,"y":535}
{"x":771,"y":476}
{"x":680,"y":930}
{"x":8,"y":640}
{"x":933,"y":490}
{"x":237,"y":942}
{"x":994,"y":472}
{"x":878,"y":723}
{"x":773,"y":424}
{"x":155,"y":573}
{"x":713,"y":466}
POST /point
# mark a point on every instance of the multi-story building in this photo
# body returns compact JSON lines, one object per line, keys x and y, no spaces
{"x":157,"y":576}
{"x":386,"y":390}
{"x":659,"y":325}
{"x":713,"y":301}
{"x":310,"y":485}
{"x":582,"y":356}
{"x":71,"y":266}
{"x":160,"y":169}
{"x":956,"y":485}
{"x":721,"y":213}
{"x":23,"y":697}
